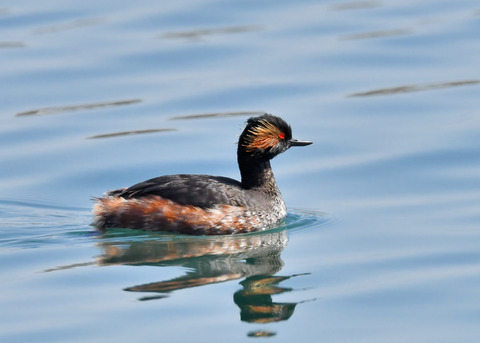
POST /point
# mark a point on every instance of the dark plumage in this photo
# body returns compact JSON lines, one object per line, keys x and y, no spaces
{"x":203,"y":204}
{"x":203,"y":191}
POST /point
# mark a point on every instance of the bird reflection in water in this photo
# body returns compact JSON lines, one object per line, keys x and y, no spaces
{"x":210,"y":260}
{"x":207,"y":260}
{"x":255,"y":299}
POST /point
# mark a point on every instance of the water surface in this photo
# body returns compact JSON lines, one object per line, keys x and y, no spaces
{"x":381,"y":240}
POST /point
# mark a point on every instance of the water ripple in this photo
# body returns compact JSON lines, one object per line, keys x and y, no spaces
{"x":306,"y":219}
{"x":415,"y":88}
{"x":200,"y":33}
{"x":11,"y":44}
{"x":377,"y":34}
{"x":356,"y":5}
{"x":72,"y":108}
{"x":129,"y":133}
{"x":218,"y":115}
{"x":78,"y":23}
{"x":35,"y":224}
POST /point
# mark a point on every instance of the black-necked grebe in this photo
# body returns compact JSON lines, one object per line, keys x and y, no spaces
{"x":208,"y":205}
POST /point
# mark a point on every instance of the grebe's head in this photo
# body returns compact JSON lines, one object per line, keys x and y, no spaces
{"x":267,"y":136}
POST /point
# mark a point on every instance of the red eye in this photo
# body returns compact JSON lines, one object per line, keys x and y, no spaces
{"x":281,"y":135}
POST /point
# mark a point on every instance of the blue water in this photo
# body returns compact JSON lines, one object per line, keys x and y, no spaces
{"x":381,"y":243}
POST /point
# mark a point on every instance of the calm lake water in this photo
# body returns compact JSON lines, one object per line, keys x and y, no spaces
{"x":382,"y":240}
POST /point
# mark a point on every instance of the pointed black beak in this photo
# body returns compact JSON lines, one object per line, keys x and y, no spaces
{"x":296,"y":142}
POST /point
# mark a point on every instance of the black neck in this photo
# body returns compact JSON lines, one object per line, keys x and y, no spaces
{"x":256,"y":172}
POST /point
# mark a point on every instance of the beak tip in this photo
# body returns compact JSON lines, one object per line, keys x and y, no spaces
{"x":296,"y":142}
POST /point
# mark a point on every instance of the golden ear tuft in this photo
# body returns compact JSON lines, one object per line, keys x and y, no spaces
{"x":262,"y":136}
